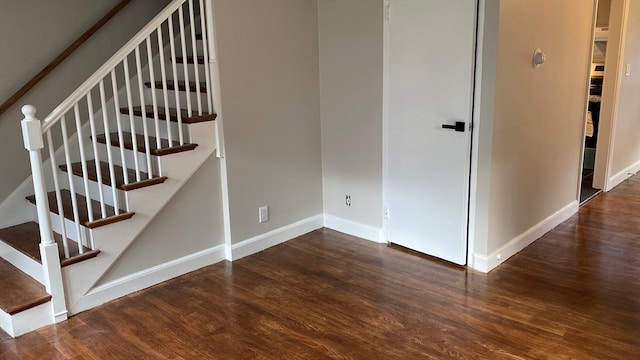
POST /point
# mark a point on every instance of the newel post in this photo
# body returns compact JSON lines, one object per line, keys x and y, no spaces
{"x":33,"y":142}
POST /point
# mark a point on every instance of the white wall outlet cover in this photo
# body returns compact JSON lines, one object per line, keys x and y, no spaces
{"x":263,"y":214}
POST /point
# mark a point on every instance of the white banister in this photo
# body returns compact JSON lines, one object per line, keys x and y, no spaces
{"x":34,"y":142}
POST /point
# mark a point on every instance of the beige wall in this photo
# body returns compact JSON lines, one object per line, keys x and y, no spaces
{"x":626,"y":138}
{"x":539,"y":114}
{"x":270,"y":97}
{"x":351,"y":108}
{"x":32,"y":33}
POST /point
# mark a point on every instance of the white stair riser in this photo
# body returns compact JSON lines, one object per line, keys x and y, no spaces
{"x":21,"y":261}
{"x":182,"y":98}
{"x":94,"y":192}
{"x":84,"y":236}
{"x":27,"y":320}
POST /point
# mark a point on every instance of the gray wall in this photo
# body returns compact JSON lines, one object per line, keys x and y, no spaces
{"x":268,"y":53}
{"x":539,"y":114}
{"x":32,"y":33}
{"x":351,"y":51}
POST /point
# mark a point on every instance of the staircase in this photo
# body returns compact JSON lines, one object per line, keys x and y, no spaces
{"x":117,"y":150}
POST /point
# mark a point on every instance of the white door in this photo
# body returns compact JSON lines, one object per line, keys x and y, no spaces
{"x":430,"y":61}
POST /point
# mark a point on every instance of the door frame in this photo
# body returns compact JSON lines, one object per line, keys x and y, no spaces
{"x":602,"y":177}
{"x":474,"y":118}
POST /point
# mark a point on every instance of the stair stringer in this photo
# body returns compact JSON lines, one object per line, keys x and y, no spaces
{"x":112,"y":240}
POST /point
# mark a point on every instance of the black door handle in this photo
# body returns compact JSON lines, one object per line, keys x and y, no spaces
{"x":459,"y":126}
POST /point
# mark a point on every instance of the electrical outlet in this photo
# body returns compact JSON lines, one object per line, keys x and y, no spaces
{"x":263,"y":214}
{"x":347,"y":200}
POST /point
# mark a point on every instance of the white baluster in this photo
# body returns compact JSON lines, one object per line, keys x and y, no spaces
{"x":116,"y":104}
{"x":145,"y":129}
{"x":185,"y":68}
{"x":194,"y":51}
{"x":134,"y":139}
{"x":174,"y":68}
{"x":94,"y":138}
{"x":83,"y":160}
{"x":72,"y":189}
{"x":154,"y":97}
{"x":205,"y":51}
{"x":107,"y":134}
{"x":56,"y":187}
{"x":165,"y":91}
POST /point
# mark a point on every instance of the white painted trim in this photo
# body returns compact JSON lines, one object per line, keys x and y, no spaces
{"x":226,"y":213}
{"x":148,"y":277}
{"x":21,"y":261}
{"x":614,"y":59}
{"x":275,"y":237}
{"x":623,"y":175}
{"x":27,"y":320}
{"x":385,"y":119}
{"x":486,"y":263}
{"x":354,"y":228}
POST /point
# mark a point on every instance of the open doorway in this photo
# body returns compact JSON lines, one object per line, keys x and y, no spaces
{"x":588,"y":189}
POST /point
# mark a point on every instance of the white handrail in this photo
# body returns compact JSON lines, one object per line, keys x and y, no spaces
{"x":105,"y":69}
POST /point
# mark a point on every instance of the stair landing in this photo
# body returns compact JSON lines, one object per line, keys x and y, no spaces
{"x":25,"y":291}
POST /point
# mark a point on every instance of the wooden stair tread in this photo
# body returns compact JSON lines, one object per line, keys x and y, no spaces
{"x":182,"y":86}
{"x":19,"y":290}
{"x":82,"y":209}
{"x":189,"y":59}
{"x":26,"y":239}
{"x":76,"y":169}
{"x":164,"y":144}
{"x":173,"y":114}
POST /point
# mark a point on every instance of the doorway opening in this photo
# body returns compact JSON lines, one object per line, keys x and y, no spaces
{"x":596,"y":79}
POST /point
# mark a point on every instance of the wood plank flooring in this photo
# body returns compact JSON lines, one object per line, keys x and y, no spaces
{"x":573,"y":294}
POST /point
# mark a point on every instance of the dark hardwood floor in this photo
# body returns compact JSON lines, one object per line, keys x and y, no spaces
{"x":573,"y":294}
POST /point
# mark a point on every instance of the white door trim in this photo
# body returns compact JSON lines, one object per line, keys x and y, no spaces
{"x":603,"y":177}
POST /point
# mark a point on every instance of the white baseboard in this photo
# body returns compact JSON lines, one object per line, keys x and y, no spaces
{"x":623,"y":175}
{"x":486,"y":263}
{"x":275,"y":237}
{"x":27,"y":320}
{"x":354,"y":228}
{"x":148,"y":277}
